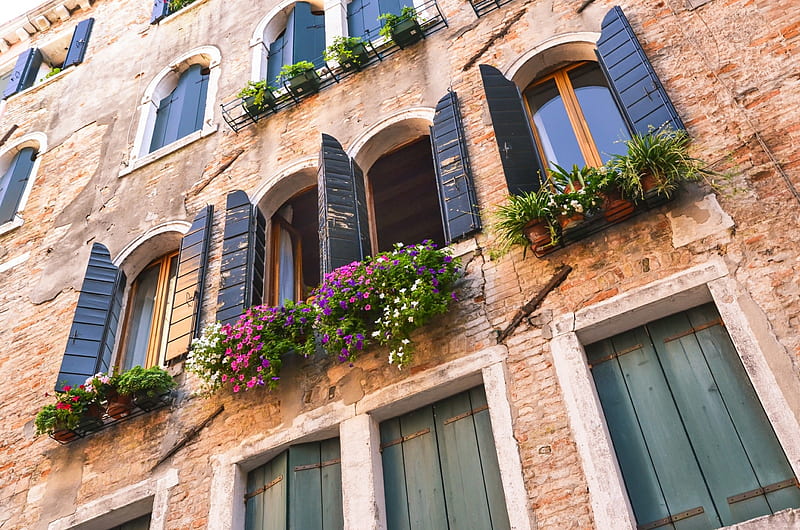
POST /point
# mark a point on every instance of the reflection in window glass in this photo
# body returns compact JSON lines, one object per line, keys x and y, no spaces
{"x":552,"y":122}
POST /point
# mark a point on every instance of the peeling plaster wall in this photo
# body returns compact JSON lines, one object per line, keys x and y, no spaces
{"x":730,"y":69}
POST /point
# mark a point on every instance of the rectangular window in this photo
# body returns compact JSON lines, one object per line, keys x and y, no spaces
{"x":300,"y":488}
{"x":692,"y":440}
{"x":440,"y":467}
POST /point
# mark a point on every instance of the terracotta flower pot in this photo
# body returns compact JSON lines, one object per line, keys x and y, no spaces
{"x":63,"y":435}
{"x":568,"y":221}
{"x":119,"y":405}
{"x":538,"y":233}
{"x":616,"y":208}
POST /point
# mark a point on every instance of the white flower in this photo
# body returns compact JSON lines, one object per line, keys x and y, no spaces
{"x":411,"y":319}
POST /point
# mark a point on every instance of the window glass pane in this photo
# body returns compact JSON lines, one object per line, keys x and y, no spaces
{"x":169,"y":295}
{"x":286,"y":281}
{"x":553,"y":126}
{"x":141,"y":317}
{"x":600,"y":111}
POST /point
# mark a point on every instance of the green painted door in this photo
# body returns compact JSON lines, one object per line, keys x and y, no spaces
{"x":440,"y":467}
{"x":693,"y":442}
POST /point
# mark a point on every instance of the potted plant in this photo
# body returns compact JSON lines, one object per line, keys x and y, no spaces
{"x":301,"y":76}
{"x":76,"y":409}
{"x":257,"y":97}
{"x":147,"y":386}
{"x":349,"y":52}
{"x":177,"y":5}
{"x":53,"y":71}
{"x":656,"y":163}
{"x":576,"y":194}
{"x":403,"y":29}
{"x":526,"y":219}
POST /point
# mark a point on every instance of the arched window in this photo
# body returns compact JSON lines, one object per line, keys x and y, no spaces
{"x":181,"y":112}
{"x":18,"y":165}
{"x":295,"y":34}
{"x":147,"y":318}
{"x":575,"y":118}
{"x":294,"y":243}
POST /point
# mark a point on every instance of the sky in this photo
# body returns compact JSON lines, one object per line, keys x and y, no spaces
{"x":12,"y":8}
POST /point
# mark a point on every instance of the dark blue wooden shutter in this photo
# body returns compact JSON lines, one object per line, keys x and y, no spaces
{"x":521,"y":163}
{"x":185,"y":320}
{"x":393,"y":6}
{"x":160,"y":10}
{"x":275,"y":58}
{"x":13,"y":182}
{"x":94,"y":326}
{"x":632,"y":79}
{"x":453,"y":175}
{"x":362,"y":17}
{"x":288,"y":40}
{"x":343,"y":225}
{"x":80,"y":39}
{"x":243,"y":249}
{"x":24,"y":73}
{"x":308,"y":40}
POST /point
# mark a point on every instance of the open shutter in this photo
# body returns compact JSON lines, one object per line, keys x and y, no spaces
{"x":80,"y":39}
{"x":94,"y":326}
{"x":309,"y":35}
{"x":24,"y":73}
{"x":160,"y":10}
{"x":453,"y":175}
{"x":13,"y":182}
{"x":343,"y":226}
{"x":632,"y":79}
{"x":185,"y":321}
{"x":242,"y":267}
{"x":275,"y":58}
{"x":512,"y":129}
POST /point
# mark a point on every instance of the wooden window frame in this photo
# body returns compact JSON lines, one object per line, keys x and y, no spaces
{"x":159,"y":324}
{"x":577,"y":120}
{"x":277,"y":222}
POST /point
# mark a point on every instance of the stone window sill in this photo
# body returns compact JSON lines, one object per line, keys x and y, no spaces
{"x":167,"y":149}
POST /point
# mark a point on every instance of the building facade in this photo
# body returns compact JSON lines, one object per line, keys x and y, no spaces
{"x":657,"y":386}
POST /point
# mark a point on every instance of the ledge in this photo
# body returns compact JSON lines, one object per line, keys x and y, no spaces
{"x":167,"y":149}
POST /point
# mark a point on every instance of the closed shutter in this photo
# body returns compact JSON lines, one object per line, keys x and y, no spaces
{"x":440,"y":467}
{"x":362,"y":18}
{"x":275,"y":58}
{"x":181,"y":112}
{"x":343,"y":225}
{"x":632,"y":79}
{"x":522,"y":166}
{"x":393,"y":6}
{"x":80,"y":39}
{"x":242,"y":266}
{"x":453,"y":174}
{"x":308,"y":41}
{"x":160,"y":10}
{"x":692,"y":440}
{"x":315,"y":486}
{"x":185,"y":320}
{"x":94,"y":325}
{"x":14,"y":181}
{"x":24,"y":73}
{"x":266,"y":497}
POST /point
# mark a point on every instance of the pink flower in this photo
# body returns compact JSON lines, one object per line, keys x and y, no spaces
{"x":367,"y":307}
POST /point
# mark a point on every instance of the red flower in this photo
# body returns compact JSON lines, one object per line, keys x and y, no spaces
{"x":76,"y":398}
{"x":63,"y":406}
{"x":67,"y":388}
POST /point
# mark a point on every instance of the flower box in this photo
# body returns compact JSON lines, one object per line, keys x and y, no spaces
{"x":406,"y":32}
{"x":305,"y":83}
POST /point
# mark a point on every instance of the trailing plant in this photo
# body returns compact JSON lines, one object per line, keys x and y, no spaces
{"x":258,"y":91}
{"x":151,"y":382}
{"x":520,"y":210}
{"x":68,"y":410}
{"x":380,"y":300}
{"x":664,"y":156}
{"x":52,"y":72}
{"x":289,"y":71}
{"x":390,"y":20}
{"x":341,"y":50}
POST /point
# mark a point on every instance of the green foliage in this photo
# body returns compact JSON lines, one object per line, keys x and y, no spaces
{"x":52,"y":72}
{"x":177,"y":5}
{"x":152,"y":381}
{"x":519,"y":210}
{"x":67,"y":411}
{"x":663,"y":155}
{"x":289,"y":71}
{"x":390,"y":20}
{"x":341,"y":50}
{"x":578,"y":191}
{"x":258,"y":91}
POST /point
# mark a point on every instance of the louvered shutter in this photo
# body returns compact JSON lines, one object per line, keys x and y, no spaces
{"x":521,"y":163}
{"x":632,"y":79}
{"x":243,"y":249}
{"x":160,"y":10}
{"x":309,"y":35}
{"x":13,"y":182}
{"x":453,"y":175}
{"x":343,"y":225}
{"x":24,"y":73}
{"x":80,"y":39}
{"x":185,"y":321}
{"x":94,"y":326}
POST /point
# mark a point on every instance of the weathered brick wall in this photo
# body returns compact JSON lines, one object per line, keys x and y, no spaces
{"x":730,"y":68}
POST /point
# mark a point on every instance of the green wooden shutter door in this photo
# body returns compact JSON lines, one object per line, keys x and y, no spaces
{"x":332,"y":513}
{"x":676,"y":395}
{"x":315,"y":501}
{"x":266,"y":508}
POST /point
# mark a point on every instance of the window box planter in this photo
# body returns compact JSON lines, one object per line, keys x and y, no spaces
{"x":305,"y":83}
{"x":254,"y":109}
{"x":359,"y":58}
{"x":406,"y":32}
